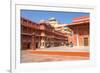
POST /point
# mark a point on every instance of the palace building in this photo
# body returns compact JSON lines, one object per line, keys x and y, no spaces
{"x":51,"y":34}
{"x":40,"y":35}
{"x":58,"y":27}
{"x":80,"y":35}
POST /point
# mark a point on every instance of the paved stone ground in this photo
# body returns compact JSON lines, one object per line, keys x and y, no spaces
{"x":27,"y":57}
{"x":67,"y":49}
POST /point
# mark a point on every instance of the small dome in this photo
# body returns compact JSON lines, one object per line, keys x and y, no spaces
{"x":52,"y":19}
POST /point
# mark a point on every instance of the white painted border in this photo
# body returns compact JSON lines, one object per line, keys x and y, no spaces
{"x":16,"y":66}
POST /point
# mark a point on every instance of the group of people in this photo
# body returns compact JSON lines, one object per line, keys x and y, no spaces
{"x":70,"y":44}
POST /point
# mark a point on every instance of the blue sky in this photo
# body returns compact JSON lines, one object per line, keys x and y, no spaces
{"x":62,"y":17}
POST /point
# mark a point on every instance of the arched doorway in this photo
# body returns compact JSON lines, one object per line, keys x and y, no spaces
{"x":29,"y":45}
{"x":36,"y":44}
{"x":86,"y":41}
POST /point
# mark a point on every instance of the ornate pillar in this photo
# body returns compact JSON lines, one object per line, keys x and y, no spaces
{"x":77,"y":36}
{"x":42,"y":43}
{"x":33,"y":47}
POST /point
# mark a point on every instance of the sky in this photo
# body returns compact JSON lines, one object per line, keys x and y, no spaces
{"x":61,"y":17}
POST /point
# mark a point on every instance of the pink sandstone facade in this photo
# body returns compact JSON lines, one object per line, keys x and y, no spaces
{"x":80,"y":31}
{"x":40,"y":35}
{"x":43,"y":35}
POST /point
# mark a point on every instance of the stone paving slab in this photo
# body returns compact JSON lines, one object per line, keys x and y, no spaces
{"x":27,"y":57}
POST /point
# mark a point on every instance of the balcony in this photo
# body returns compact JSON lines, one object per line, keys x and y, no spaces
{"x":28,"y":34}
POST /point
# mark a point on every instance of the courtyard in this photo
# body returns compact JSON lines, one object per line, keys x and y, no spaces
{"x":61,"y":53}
